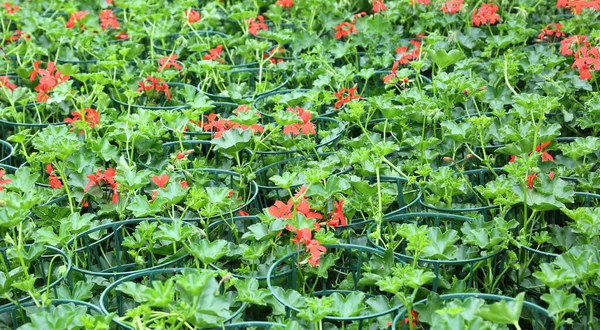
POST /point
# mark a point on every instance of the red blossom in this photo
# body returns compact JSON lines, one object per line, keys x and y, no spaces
{"x":345,"y":95}
{"x":378,"y":6}
{"x":271,"y":53}
{"x":545,"y":155}
{"x":303,"y":235}
{"x":577,"y":6}
{"x":551,"y":30}
{"x":18,"y":34}
{"x":3,"y":181}
{"x":108,"y":19}
{"x":486,"y":14}
{"x":243,"y":213}
{"x":338,"y":217}
{"x":90,"y":116}
{"x":281,"y":210}
{"x":452,"y":6}
{"x":160,"y":181}
{"x":404,"y":56}
{"x":586,"y":58}
{"x":530,"y":180}
{"x":306,"y":127}
{"x":49,"y":79}
{"x":108,"y":177}
{"x":10,"y":9}
{"x":344,"y":29}
{"x":75,"y":17}
{"x":192,"y":16}
{"x":285,"y":3}
{"x":256,"y":24}
{"x":574,"y":41}
{"x":5,"y":83}
{"x":315,"y":249}
{"x":214,"y":54}
{"x":157,"y":84}
{"x":184,"y":184}
{"x":220,"y":126}
{"x":167,"y":62}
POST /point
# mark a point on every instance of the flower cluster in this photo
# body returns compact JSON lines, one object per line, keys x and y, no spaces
{"x":75,"y":17}
{"x":10,"y":9}
{"x":87,"y":115}
{"x":49,"y":79}
{"x":586,"y":56}
{"x":306,"y":126}
{"x":257,"y":24}
{"x":551,"y":30}
{"x":169,"y":61}
{"x":577,"y":6}
{"x":53,"y":180}
{"x":108,"y":19}
{"x":3,"y":181}
{"x":192,"y":16}
{"x":108,"y":177}
{"x":486,"y":14}
{"x":5,"y":83}
{"x":161,"y":182}
{"x":156,"y":84}
{"x":221,"y":125}
{"x":378,"y":6}
{"x":344,"y":29}
{"x":452,"y":6}
{"x":345,"y":95}
{"x":270,"y":55}
{"x":404,"y":56}
{"x":214,"y":54}
{"x":285,"y":3}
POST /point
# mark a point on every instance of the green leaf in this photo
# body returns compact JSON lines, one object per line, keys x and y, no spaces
{"x":208,"y":252}
{"x":233,"y":140}
{"x":444,"y":59}
{"x":348,"y":306}
{"x":249,"y":291}
{"x":503,"y":312}
{"x":561,"y":302}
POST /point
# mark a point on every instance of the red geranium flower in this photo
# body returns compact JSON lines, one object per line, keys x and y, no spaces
{"x":160,"y":181}
{"x":75,"y":17}
{"x":11,"y":9}
{"x":566,"y":45}
{"x":303,"y":235}
{"x":452,"y":6}
{"x":90,"y":116}
{"x":306,"y":127}
{"x":545,"y":155}
{"x":192,"y":16}
{"x":167,"y":62}
{"x":108,"y":177}
{"x":108,"y":19}
{"x":157,"y":84}
{"x":5,"y":82}
{"x":586,"y":58}
{"x":285,"y":3}
{"x":338,"y":215}
{"x":378,"y":6}
{"x":344,"y":29}
{"x":552,"y":29}
{"x":486,"y":14}
{"x":49,"y":79}
{"x":315,"y":249}
{"x":214,"y":54}
{"x":53,"y":180}
{"x":3,"y":181}
{"x":254,"y":26}
{"x":281,"y":210}
{"x":345,"y":95}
